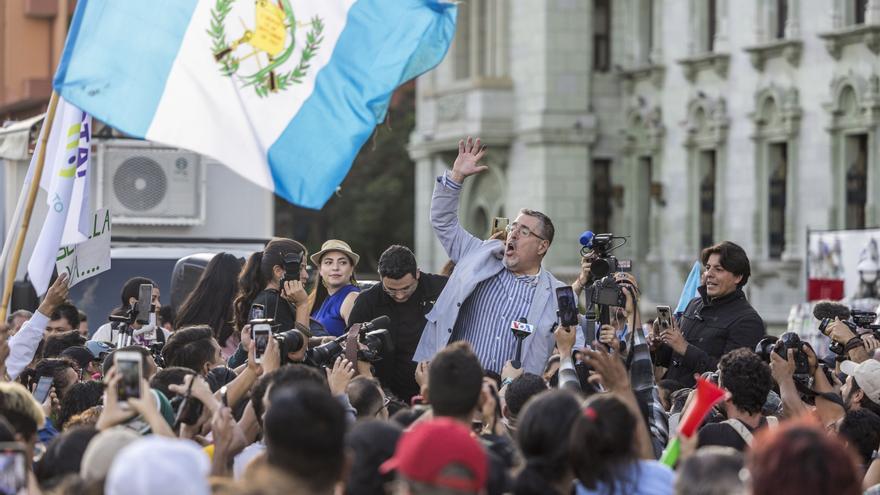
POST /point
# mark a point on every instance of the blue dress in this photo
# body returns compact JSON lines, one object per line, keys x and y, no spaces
{"x":328,"y":314}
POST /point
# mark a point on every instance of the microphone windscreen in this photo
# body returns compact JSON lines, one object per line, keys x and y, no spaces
{"x":587,"y":238}
{"x":830,"y":309}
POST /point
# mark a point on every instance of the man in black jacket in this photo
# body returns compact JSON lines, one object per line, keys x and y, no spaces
{"x":405,"y":295}
{"x":717,"y":322}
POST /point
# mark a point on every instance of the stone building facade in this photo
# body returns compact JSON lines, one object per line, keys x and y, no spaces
{"x":678,"y":123}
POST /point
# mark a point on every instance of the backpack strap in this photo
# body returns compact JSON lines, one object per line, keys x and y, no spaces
{"x":741,"y":429}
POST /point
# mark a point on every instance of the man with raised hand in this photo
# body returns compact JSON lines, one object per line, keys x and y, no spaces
{"x":494,"y":283}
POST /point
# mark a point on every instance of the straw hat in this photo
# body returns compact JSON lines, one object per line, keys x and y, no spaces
{"x":335,"y":245}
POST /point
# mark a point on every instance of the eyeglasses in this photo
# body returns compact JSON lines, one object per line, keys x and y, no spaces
{"x":384,"y":405}
{"x":523,"y":230}
{"x":403,"y":291}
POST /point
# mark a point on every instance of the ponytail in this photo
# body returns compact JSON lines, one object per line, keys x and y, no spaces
{"x":250,"y":283}
{"x":257,"y":273}
{"x":533,"y":479}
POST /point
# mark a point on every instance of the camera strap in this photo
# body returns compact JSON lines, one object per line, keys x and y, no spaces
{"x":351,"y":345}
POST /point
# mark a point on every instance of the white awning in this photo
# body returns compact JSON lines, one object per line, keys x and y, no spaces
{"x":14,"y":139}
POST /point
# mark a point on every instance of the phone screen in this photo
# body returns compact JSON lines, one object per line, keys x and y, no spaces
{"x":664,"y":315}
{"x":144,"y":304}
{"x":41,"y":392}
{"x":568,"y":314}
{"x":130,"y":383}
{"x":258,"y":312}
{"x":13,"y":469}
{"x":261,"y":340}
{"x":499,"y":224}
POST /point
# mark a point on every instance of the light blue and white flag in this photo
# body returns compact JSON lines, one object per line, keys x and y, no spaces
{"x":284,"y":92}
{"x":689,"y":291}
{"x":65,"y":179}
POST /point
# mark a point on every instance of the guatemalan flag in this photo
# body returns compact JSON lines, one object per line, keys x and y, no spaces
{"x":284,"y":92}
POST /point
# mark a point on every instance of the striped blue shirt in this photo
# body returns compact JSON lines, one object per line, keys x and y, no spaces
{"x":485,"y":317}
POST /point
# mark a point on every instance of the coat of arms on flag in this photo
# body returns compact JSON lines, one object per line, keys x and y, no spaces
{"x":267,"y":48}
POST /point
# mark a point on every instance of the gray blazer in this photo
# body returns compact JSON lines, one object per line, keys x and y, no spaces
{"x":475,"y":261}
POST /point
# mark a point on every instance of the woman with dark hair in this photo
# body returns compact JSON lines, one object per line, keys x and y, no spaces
{"x":260,"y":282}
{"x":605,"y":452}
{"x":210,"y":302}
{"x":129,"y":296}
{"x":336,"y":288}
{"x":543,"y":430}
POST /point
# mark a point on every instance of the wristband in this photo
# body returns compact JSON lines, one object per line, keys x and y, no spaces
{"x":853,"y":343}
{"x":507,"y":381}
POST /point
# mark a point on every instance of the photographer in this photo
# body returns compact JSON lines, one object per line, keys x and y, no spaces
{"x":855,"y":345}
{"x":264,"y":280}
{"x":273,"y":278}
{"x":404,"y":295}
{"x":145,"y":334}
{"x":713,"y":324}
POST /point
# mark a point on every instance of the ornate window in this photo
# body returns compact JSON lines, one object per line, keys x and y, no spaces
{"x":708,"y":40}
{"x":707,"y":188}
{"x":854,"y":22}
{"x":706,"y":140}
{"x":777,"y":32}
{"x":480,"y":44}
{"x":855,"y":136}
{"x":601,"y":35}
{"x":644,"y":52}
{"x":855,"y":11}
{"x":642,"y":157}
{"x":777,"y":121}
{"x":601,"y":194}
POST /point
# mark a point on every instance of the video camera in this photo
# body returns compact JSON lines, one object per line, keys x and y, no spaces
{"x":827,"y":311}
{"x":601,"y":245}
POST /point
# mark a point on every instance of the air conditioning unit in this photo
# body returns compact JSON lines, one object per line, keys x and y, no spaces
{"x":145,"y":184}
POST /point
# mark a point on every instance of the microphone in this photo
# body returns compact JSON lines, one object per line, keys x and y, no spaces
{"x":830,"y":310}
{"x":586,"y":239}
{"x":377,"y":323}
{"x":521,"y":329}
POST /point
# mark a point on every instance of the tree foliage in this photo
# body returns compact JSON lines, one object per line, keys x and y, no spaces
{"x":374,"y":207}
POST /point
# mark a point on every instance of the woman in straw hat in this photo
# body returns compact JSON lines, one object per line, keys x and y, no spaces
{"x":336,"y":289}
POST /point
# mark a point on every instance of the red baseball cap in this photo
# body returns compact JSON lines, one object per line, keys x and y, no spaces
{"x":428,"y":448}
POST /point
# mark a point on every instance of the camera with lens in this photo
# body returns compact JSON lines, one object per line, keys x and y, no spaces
{"x":601,"y":245}
{"x":376,"y":341}
{"x":790,"y":340}
{"x":607,"y":292}
{"x":765,"y":347}
{"x":292,"y":267}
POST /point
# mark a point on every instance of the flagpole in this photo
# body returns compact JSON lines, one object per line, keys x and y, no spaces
{"x":12,"y":267}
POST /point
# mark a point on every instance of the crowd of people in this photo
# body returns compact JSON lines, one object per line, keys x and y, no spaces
{"x":418,"y":385}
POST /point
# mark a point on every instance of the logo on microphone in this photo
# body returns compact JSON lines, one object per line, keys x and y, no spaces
{"x":524,"y":328}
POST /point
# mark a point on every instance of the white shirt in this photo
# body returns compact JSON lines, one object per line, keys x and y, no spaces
{"x":23,"y":345}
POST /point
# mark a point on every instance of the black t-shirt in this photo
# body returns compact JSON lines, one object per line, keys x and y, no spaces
{"x":277,"y":308}
{"x":724,"y":435}
{"x":397,"y":372}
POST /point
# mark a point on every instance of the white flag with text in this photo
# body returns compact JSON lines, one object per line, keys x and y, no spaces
{"x":65,"y":179}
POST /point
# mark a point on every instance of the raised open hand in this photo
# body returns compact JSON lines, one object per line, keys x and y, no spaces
{"x":467,"y":162}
